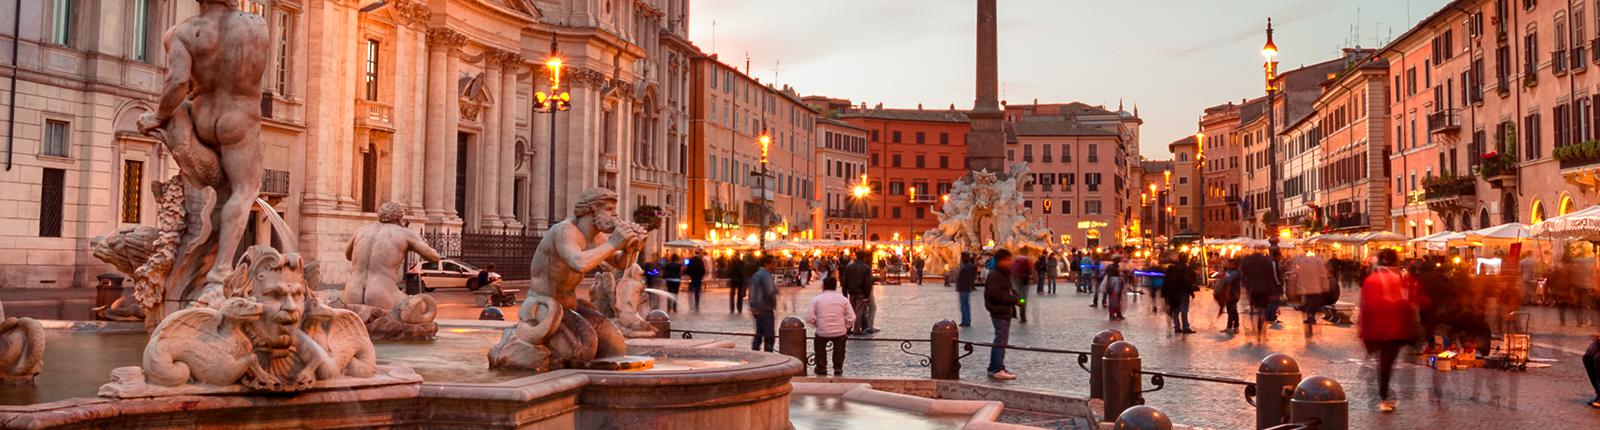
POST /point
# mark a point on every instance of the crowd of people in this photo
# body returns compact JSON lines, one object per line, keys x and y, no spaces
{"x":1427,"y":304}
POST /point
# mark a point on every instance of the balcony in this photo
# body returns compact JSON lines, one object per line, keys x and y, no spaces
{"x":1499,"y":169}
{"x":1580,"y":164}
{"x":1347,"y":221}
{"x":1445,"y":121}
{"x":275,"y":183}
{"x":1449,"y":193}
{"x":608,"y":162}
{"x":375,"y":115}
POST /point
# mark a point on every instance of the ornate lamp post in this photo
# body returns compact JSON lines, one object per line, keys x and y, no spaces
{"x":555,"y":102}
{"x":1270,"y":51}
{"x":861,"y":192}
{"x":761,"y":181}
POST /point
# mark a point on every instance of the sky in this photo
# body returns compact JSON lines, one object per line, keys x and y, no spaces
{"x":1171,"y":58}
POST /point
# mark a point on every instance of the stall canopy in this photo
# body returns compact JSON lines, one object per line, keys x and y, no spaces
{"x":1584,"y":224}
{"x":1511,"y":231}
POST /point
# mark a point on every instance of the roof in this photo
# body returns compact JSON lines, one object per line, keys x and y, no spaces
{"x":1059,"y":128}
{"x":1186,"y":140}
{"x":838,"y":123}
{"x":1156,"y":165}
{"x":952,"y":116}
{"x":1252,"y":110}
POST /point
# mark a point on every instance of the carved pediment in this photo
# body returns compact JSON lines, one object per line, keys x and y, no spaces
{"x":474,"y":96}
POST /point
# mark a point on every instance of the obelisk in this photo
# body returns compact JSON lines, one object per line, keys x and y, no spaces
{"x":986,"y":143}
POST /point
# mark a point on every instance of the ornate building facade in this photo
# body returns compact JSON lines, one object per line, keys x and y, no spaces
{"x":428,"y":103}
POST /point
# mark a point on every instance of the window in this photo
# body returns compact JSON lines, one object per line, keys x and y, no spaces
{"x":1184,"y":180}
{"x":874,"y":159}
{"x":56,"y":140}
{"x":944,"y":138}
{"x":894,"y":212}
{"x":141,"y":30}
{"x":1027,"y":153}
{"x":875,"y":136}
{"x":280,"y":74}
{"x":944,"y":161}
{"x":1066,"y":153}
{"x":897,"y":188}
{"x":1183,"y":200}
{"x":132,"y":184}
{"x":61,"y":25}
{"x":1044,"y":153}
{"x":1092,"y":180}
{"x":922,"y":138}
{"x":894,"y":160}
{"x":921,"y":161}
{"x":895,"y":137}
{"x":1530,"y":60}
{"x":52,"y":191}
{"x":1066,"y":207}
{"x":1094,"y":153}
{"x":372,"y":69}
{"x":1091,"y":207}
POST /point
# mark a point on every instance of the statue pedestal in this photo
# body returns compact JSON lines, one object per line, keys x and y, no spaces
{"x":129,"y":383}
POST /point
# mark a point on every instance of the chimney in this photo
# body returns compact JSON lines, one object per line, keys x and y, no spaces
{"x":919,"y":106}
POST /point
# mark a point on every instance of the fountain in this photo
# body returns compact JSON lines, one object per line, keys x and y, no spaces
{"x":984,"y":196}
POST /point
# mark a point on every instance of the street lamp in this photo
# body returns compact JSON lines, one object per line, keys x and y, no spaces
{"x":911,"y":200}
{"x":1270,"y":51}
{"x":761,"y":181}
{"x":552,"y":103}
{"x":860,"y":192}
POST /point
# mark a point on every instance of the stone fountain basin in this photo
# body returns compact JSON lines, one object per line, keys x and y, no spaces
{"x":697,"y":384}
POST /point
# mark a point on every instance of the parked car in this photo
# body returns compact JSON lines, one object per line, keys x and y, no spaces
{"x":448,"y":274}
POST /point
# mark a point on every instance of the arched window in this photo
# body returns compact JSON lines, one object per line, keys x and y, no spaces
{"x":1536,"y":212}
{"x":1483,"y":218}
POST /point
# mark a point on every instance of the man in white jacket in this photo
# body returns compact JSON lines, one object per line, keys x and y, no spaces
{"x":830,"y":313}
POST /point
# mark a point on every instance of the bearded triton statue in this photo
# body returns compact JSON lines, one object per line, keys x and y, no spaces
{"x":554,"y":329}
{"x":261,"y":330}
{"x":376,"y":254}
{"x":984,"y":196}
{"x":209,"y":119}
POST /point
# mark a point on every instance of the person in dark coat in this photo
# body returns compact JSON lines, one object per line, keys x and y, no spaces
{"x":1001,"y":302}
{"x":672,"y":273}
{"x":696,"y":270}
{"x":764,"y":304}
{"x":1262,"y":280}
{"x":1177,"y":290}
{"x":858,"y":288}
{"x":966,"y":280}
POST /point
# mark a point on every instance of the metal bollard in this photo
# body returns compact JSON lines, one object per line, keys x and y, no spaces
{"x":1275,"y":382}
{"x":1097,"y":350}
{"x":661,"y":322}
{"x":1142,"y":418}
{"x":1322,"y":399}
{"x":943,"y":359}
{"x":1122,"y":384}
{"x":792,"y":340}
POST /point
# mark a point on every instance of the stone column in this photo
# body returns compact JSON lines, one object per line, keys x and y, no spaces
{"x":420,"y":134}
{"x":986,"y":144}
{"x":399,"y":152}
{"x":540,"y":140}
{"x":509,"y":105}
{"x":441,"y":140}
{"x":452,"y":124}
{"x":345,"y":149}
{"x":486,"y":164}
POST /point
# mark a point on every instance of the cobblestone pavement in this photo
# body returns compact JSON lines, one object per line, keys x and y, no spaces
{"x":1549,"y":398}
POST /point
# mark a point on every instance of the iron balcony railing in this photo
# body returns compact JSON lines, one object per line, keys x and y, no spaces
{"x":1444,"y":121}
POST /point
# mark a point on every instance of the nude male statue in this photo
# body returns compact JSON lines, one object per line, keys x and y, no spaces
{"x":215,"y":61}
{"x":376,"y":253}
{"x":576,"y":246}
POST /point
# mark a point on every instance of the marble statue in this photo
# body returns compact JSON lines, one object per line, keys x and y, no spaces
{"x":377,"y":253}
{"x":259,"y":331}
{"x":622,"y":294}
{"x":979,"y":197}
{"x":555,"y":330}
{"x":21,"y":349}
{"x":209,"y":119}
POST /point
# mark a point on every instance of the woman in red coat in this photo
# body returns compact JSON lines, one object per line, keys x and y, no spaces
{"x":1388,"y":318}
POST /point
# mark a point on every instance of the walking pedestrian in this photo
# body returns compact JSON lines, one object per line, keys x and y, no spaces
{"x":672,"y":273}
{"x":1177,"y":290}
{"x":832,"y":316}
{"x":858,"y":280}
{"x":764,"y":304}
{"x":917,"y":264}
{"x":1021,"y":273}
{"x":738,"y":272}
{"x":1040,"y":269}
{"x":966,"y":278}
{"x":696,"y":269}
{"x":1052,"y":272}
{"x":805,"y":271}
{"x":1388,"y":319}
{"x":1111,"y":286}
{"x":1308,"y":282}
{"x":1260,"y":276}
{"x":1001,"y":302}
{"x":1227,"y":295}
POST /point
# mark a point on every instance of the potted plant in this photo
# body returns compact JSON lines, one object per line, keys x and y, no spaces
{"x":649,"y":216}
{"x":1496,"y":164}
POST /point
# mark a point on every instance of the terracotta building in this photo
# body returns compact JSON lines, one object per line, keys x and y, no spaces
{"x":392,"y":104}
{"x":842,"y":154}
{"x":1153,"y":218}
{"x":1223,"y":150}
{"x":1350,"y":190}
{"x":1080,"y":156}
{"x":1502,"y":79}
{"x":909,"y":149}
{"x":730,"y":111}
{"x":1183,"y":190}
